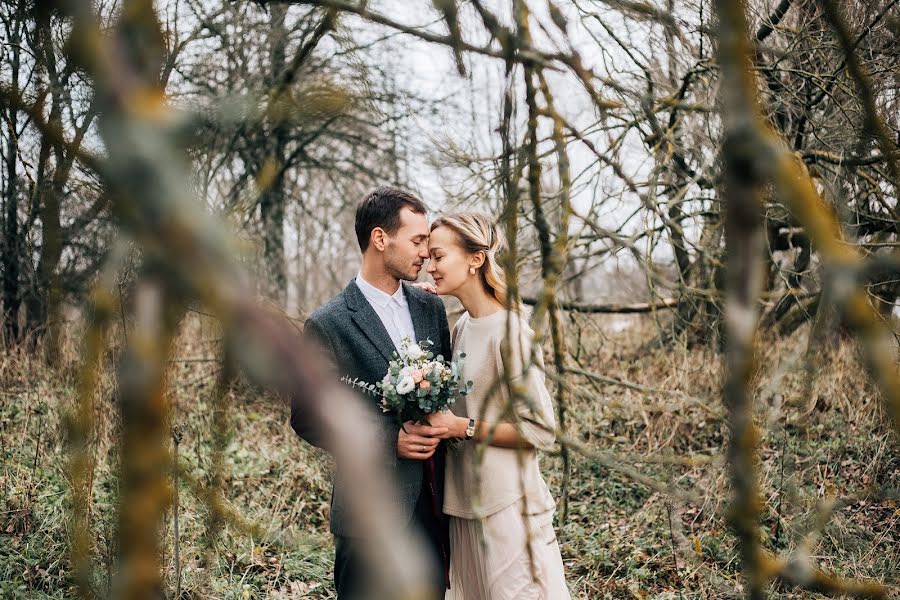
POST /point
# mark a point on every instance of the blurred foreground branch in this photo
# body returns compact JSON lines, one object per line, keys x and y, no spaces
{"x":188,"y":259}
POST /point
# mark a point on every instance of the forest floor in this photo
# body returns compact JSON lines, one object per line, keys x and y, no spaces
{"x":658,"y":413}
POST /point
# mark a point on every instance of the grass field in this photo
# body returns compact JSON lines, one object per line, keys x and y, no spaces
{"x":661,"y":419}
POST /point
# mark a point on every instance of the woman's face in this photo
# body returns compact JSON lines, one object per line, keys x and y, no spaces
{"x":449,"y":264}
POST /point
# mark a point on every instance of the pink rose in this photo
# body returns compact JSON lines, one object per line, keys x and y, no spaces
{"x":417,"y":375}
{"x":425,"y":384}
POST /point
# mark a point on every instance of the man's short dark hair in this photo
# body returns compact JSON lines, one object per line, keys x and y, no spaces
{"x":381,"y":208}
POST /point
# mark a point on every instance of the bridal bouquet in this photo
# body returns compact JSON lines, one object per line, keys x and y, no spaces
{"x":417,"y":383}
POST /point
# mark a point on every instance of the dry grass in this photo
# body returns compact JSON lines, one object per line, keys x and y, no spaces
{"x":834,"y":442}
{"x":622,"y":539}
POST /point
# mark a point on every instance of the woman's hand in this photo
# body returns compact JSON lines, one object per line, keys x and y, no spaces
{"x":426,"y":286}
{"x":455,"y":426}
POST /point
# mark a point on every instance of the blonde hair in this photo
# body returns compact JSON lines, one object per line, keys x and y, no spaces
{"x":478,"y":232}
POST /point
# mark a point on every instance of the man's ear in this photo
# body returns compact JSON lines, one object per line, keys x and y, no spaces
{"x":378,"y":239}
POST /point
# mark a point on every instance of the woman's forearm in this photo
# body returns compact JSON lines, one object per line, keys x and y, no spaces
{"x":502,"y":435}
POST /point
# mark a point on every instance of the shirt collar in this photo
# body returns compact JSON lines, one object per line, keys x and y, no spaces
{"x":373,"y":294}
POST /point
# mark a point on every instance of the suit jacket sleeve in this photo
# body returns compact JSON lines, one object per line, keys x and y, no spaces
{"x":300,"y":423}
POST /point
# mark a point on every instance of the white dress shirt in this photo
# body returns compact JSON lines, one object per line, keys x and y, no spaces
{"x":392,"y":309}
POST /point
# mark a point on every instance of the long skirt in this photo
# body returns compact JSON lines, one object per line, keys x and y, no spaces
{"x":489,"y":558}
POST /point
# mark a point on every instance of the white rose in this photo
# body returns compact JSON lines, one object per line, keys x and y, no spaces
{"x":414,"y":352}
{"x":405,"y":385}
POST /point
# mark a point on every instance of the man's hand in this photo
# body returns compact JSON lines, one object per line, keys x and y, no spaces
{"x":418,"y":442}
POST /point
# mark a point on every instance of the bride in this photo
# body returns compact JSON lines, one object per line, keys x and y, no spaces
{"x":502,"y":541}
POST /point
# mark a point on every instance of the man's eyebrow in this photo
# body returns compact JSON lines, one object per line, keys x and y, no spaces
{"x":421,"y":235}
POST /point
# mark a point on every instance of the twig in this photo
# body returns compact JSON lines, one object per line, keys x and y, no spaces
{"x":674,"y":553}
{"x":177,"y":435}
{"x":636,"y":308}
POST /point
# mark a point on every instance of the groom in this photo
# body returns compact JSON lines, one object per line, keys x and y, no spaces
{"x":361,"y":328}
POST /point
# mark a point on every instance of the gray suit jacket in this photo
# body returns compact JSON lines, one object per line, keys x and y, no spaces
{"x":350,"y":330}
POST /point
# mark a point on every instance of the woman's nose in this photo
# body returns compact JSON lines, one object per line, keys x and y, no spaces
{"x":430,"y":267}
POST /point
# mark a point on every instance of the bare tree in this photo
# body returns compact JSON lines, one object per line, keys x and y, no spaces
{"x":313,"y":135}
{"x":55,"y":226}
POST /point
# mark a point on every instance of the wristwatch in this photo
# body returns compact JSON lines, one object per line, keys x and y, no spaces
{"x":470,"y":430}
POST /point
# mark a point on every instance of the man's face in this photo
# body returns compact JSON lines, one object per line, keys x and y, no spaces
{"x":405,"y":251}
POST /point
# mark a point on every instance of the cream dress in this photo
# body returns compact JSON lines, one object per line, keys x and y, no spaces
{"x":502,"y":542}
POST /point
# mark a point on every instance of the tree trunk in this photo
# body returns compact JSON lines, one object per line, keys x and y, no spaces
{"x":697,"y":318}
{"x":272,"y":202}
{"x":39,"y":296}
{"x":827,"y":329}
{"x":51,"y":248}
{"x":11,"y":245}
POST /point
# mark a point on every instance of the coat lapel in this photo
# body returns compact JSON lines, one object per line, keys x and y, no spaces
{"x":421,"y":318}
{"x":368,"y":321}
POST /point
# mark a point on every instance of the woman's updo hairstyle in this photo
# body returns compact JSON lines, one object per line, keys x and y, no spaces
{"x":478,"y":232}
